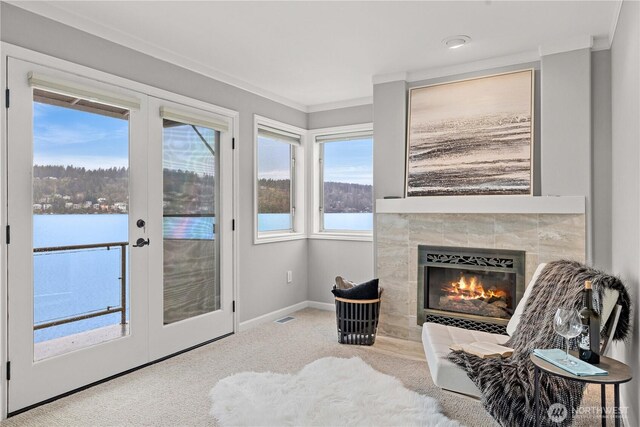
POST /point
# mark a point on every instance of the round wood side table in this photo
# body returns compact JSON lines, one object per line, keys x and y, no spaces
{"x":619,"y":373}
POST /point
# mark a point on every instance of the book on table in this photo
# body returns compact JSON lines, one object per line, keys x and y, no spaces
{"x":484,"y":350}
{"x":579,"y":368}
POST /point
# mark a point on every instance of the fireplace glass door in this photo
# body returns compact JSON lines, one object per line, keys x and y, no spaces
{"x":470,"y":291}
{"x":474,"y":288}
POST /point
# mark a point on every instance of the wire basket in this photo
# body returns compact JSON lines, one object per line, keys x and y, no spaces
{"x":357,"y":320}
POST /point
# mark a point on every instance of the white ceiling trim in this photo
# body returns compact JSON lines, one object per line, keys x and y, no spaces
{"x":574,"y":43}
{"x":108,"y":32}
{"x":614,"y":23}
{"x":468,"y":67}
{"x":340,"y":104}
{"x":389,"y":77}
{"x":49,"y":10}
{"x":601,"y":43}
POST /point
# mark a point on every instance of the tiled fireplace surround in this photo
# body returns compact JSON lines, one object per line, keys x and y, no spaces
{"x":544,"y":236}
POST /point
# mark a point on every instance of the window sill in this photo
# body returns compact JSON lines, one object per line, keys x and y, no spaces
{"x":277,"y":237}
{"x":354,"y":237}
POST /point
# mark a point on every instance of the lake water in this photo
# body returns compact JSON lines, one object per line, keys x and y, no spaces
{"x":69,"y":283}
{"x":332,"y":221}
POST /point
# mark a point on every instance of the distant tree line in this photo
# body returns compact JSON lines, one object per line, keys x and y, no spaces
{"x":57,"y":188}
{"x":343,"y":197}
{"x":69,"y":189}
{"x":188,"y":192}
{"x":274,"y":196}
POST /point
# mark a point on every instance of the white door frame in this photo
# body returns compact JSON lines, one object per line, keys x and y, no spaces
{"x":10,"y":50}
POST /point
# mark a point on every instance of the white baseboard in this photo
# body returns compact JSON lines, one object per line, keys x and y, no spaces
{"x":274,"y":315}
{"x":277,"y":314}
{"x":322,"y":305}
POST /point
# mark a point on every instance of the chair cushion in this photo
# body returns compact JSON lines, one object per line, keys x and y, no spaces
{"x":436,"y":340}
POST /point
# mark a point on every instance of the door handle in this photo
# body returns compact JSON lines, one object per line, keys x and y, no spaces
{"x":141,"y":242}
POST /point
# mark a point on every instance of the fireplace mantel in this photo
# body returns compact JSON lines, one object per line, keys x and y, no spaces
{"x":484,"y":205}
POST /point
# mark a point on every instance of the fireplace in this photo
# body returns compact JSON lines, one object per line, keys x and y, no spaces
{"x":468,"y":287}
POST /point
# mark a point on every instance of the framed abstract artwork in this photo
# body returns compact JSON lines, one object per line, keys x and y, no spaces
{"x":471,"y":137}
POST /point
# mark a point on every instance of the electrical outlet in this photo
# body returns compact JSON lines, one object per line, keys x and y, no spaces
{"x":289,"y":276}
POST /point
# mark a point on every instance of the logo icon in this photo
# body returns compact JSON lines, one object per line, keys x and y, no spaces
{"x":557,"y":413}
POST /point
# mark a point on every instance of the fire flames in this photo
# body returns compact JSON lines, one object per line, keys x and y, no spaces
{"x":471,"y":288}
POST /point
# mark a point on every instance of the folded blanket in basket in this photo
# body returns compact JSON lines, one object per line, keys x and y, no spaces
{"x":367,"y":290}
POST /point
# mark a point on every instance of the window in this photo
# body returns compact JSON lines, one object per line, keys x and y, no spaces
{"x":345,"y":182}
{"x":190,"y":190}
{"x":279,"y":198}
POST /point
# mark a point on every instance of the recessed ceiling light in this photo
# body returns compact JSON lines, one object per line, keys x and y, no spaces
{"x":454,"y":42}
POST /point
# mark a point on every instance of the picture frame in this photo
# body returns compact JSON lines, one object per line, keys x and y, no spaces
{"x":471,"y":137}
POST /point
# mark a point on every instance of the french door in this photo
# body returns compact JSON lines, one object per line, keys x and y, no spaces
{"x":119,"y":209}
{"x":190,"y":269}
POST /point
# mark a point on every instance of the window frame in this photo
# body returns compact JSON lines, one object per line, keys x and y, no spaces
{"x":298,"y":182}
{"x":316,"y":216}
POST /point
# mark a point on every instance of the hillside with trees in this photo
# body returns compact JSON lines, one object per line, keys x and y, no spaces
{"x":339,"y":197}
{"x":73,"y":190}
{"x":68,"y":189}
{"x":343,"y":197}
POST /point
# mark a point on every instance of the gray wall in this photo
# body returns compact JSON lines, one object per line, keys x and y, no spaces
{"x":625,"y":110}
{"x":262,"y":278}
{"x":340,"y":117}
{"x":601,"y":157}
{"x":566,"y":128}
{"x":330,"y":258}
{"x":389,"y":125}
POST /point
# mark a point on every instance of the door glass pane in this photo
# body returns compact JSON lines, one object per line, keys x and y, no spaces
{"x":274,"y":184}
{"x":80,"y":223}
{"x":348,"y":185}
{"x":190,"y":243}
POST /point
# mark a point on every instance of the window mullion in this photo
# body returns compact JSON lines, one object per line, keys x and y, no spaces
{"x":321,"y":189}
{"x":292,"y":187}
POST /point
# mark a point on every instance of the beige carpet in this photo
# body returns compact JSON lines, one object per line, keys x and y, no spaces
{"x":175,"y":392}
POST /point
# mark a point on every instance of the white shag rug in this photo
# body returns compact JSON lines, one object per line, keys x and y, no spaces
{"x":328,"y":392}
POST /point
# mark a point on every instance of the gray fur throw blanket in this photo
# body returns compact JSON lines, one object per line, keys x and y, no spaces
{"x":507,"y":385}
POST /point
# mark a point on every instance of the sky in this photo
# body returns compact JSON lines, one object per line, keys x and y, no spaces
{"x":64,"y":137}
{"x":344,"y":161}
{"x":349,"y":161}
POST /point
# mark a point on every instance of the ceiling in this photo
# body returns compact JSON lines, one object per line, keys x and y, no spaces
{"x":311,"y":55}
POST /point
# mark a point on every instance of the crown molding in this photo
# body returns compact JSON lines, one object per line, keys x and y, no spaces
{"x":470,"y":67}
{"x":54,"y":12}
{"x":574,"y":43}
{"x":389,"y":77}
{"x":51,"y":11}
{"x":356,"y":102}
{"x":614,"y":23}
{"x":600,"y":43}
